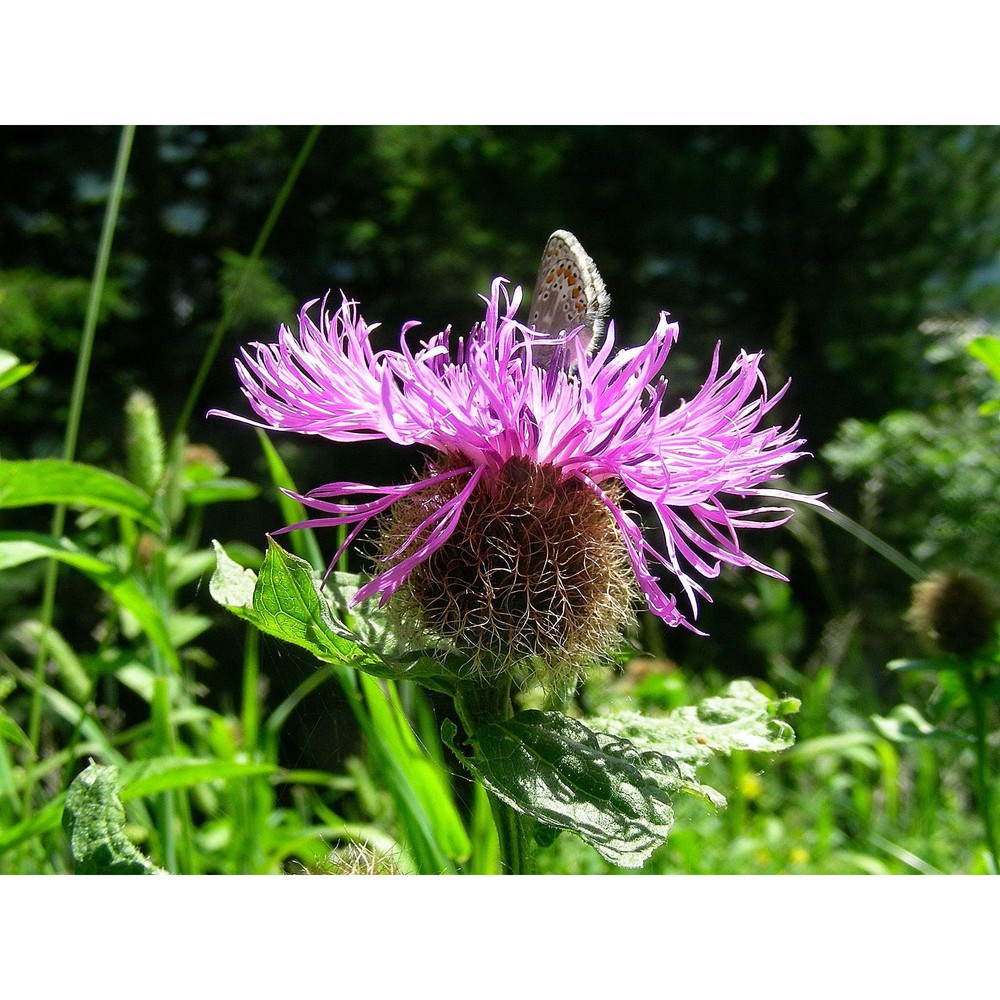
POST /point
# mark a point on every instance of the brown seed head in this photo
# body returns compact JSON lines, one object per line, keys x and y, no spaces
{"x":957,"y":610}
{"x":535,"y":570}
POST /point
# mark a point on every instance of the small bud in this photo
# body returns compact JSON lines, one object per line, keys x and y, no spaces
{"x":206,"y":458}
{"x":957,"y":610}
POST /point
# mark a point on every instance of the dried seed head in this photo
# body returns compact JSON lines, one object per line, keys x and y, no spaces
{"x":957,"y":610}
{"x":535,"y":570}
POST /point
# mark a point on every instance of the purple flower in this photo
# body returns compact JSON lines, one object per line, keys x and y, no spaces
{"x":597,"y":428}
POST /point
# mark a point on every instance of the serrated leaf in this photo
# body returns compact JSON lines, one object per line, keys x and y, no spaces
{"x":94,"y":820}
{"x":553,"y":768}
{"x":52,"y":481}
{"x":232,"y":585}
{"x":287,"y":600}
{"x":742,"y":718}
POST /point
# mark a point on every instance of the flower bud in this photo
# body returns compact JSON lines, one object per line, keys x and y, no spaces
{"x":957,"y":610}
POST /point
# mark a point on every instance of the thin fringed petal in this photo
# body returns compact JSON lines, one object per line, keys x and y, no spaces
{"x":702,"y":465}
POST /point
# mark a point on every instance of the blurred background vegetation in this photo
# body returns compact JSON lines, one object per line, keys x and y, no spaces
{"x":861,"y":259}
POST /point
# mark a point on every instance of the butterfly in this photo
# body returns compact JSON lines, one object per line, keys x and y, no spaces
{"x":569,"y":294}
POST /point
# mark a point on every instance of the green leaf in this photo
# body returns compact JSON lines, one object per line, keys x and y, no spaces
{"x":221,"y":491}
{"x":17,"y":548}
{"x":740,"y":719}
{"x":556,"y":770}
{"x":930,"y":666}
{"x":33,"y":634}
{"x":611,"y":781}
{"x":288,"y":600}
{"x":161,"y":774}
{"x":855,"y":745}
{"x":12,"y":732}
{"x":285,"y":600}
{"x":987,"y":350}
{"x":94,"y":820}
{"x":53,"y":481}
{"x":419,"y":785}
{"x":303,"y":542}
{"x":904,"y":724}
{"x":12,"y":371}
{"x":232,"y":585}
{"x":47,"y":818}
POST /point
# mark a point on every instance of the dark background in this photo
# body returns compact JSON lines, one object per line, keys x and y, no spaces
{"x":824,"y":246}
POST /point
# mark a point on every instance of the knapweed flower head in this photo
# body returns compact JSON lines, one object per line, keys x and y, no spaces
{"x":519,"y":539}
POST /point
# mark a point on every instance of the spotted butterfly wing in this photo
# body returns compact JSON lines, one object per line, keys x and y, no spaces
{"x":569,"y":294}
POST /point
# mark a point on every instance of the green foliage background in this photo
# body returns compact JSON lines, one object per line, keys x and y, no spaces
{"x":862,"y":259}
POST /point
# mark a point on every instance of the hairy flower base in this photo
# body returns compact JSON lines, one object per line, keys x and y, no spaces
{"x":535,"y":568}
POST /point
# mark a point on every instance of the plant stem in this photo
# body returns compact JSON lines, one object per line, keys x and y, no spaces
{"x":477,"y":705}
{"x":229,"y":307}
{"x":516,"y":846}
{"x":69,"y":443}
{"x":984,"y":789}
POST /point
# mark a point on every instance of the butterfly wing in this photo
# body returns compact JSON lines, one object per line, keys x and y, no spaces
{"x":569,"y":294}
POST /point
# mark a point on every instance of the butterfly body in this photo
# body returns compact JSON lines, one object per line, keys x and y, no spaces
{"x":569,"y":296}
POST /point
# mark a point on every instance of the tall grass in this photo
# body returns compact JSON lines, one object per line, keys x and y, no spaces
{"x":206,"y":777}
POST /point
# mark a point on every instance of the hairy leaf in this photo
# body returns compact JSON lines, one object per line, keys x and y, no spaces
{"x":288,"y":600}
{"x":611,"y":781}
{"x":556,"y":770}
{"x":94,"y":820}
{"x":740,"y":719}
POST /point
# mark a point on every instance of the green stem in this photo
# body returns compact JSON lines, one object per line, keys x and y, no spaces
{"x":907,"y":566}
{"x":984,"y":789}
{"x":230,"y":305}
{"x":516,"y":845}
{"x":70,"y":439}
{"x":478,"y":704}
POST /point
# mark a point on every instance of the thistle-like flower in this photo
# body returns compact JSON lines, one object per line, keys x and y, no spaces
{"x":957,"y":610}
{"x":519,"y":538}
